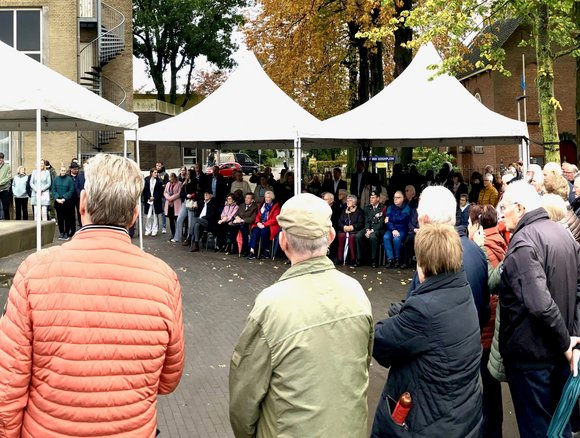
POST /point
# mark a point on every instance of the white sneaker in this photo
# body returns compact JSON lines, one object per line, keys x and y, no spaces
{"x":172,"y":240}
{"x":154,"y":234}
{"x":163,"y":231}
{"x":148,"y":233}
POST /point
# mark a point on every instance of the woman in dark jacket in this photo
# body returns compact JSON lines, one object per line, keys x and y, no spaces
{"x":152,"y":200}
{"x":63,"y":189}
{"x":432,"y":347}
{"x":350,"y":222}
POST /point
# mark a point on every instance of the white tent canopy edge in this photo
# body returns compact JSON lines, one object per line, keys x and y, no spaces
{"x":33,"y":97}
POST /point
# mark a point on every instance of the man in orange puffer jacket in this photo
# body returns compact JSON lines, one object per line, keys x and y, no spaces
{"x":93,"y":329}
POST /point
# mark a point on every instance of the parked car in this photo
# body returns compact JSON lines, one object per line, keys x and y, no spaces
{"x":248,"y":165}
{"x":226,"y":169}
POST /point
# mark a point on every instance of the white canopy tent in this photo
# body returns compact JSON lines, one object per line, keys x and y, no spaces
{"x":248,"y":111}
{"x":35,"y":98}
{"x":419,"y":110}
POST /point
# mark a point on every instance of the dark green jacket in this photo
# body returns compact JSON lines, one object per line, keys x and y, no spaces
{"x":63,"y":187}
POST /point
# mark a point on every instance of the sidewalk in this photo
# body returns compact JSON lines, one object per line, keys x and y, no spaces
{"x":218,"y":292}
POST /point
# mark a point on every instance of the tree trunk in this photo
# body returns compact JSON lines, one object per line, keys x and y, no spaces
{"x":363,"y":72}
{"x":402,"y":56}
{"x":376,"y":69}
{"x":545,"y":83}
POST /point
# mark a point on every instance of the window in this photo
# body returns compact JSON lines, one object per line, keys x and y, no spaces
{"x":5,"y":144}
{"x":22,"y":29}
{"x":189,"y":156}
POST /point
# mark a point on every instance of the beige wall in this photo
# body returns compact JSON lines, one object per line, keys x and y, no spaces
{"x":60,"y":53}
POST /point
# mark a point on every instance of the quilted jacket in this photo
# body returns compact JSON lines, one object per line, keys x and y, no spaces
{"x":93,"y":331}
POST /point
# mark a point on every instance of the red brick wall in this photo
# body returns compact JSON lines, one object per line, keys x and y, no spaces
{"x":499,"y":93}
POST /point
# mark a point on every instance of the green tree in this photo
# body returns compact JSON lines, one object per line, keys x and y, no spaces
{"x":171,"y":34}
{"x":431,"y":159}
{"x":554,"y":32}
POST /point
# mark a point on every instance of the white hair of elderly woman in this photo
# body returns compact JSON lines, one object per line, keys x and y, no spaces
{"x":438,"y":204}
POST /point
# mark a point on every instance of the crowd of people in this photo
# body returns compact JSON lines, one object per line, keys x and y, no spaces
{"x":59,"y":191}
{"x":495,"y":297}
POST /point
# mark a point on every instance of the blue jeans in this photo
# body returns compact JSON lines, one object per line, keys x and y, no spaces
{"x":178,"y":237}
{"x":258,"y":234}
{"x":391,"y":243}
{"x":536,"y":394}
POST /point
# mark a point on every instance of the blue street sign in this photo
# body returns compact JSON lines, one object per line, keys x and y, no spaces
{"x":381,"y":159}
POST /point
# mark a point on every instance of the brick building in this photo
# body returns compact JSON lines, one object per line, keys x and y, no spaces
{"x":89,"y":42}
{"x":500,"y":93}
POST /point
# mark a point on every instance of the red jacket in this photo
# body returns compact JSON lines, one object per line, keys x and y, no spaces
{"x":93,"y":331}
{"x":272,"y":220}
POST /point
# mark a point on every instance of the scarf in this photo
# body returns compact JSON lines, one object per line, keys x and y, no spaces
{"x":264,"y":211}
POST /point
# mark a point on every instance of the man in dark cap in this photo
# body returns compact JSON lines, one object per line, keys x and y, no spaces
{"x":373,"y":231}
{"x":307,"y":341}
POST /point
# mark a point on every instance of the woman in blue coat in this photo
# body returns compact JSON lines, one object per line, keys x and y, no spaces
{"x":432,"y":347}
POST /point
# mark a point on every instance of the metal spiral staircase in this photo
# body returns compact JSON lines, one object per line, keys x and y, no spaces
{"x":93,"y":57}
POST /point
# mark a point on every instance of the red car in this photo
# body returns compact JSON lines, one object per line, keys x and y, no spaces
{"x":226,"y":169}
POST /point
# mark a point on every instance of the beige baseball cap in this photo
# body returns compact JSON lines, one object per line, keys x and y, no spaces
{"x":306,"y":216}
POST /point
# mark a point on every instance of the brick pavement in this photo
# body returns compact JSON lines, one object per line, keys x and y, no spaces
{"x":218,"y":292}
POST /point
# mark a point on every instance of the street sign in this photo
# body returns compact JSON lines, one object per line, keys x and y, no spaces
{"x":381,"y":159}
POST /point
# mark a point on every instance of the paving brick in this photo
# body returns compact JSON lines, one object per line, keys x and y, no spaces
{"x":215,"y":310}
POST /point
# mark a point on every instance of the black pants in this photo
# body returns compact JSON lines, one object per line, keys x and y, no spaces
{"x":171,"y":217}
{"x":233,"y":235}
{"x":64,"y":216}
{"x":491,"y":401}
{"x":408,"y":250}
{"x":5,"y":200}
{"x":21,"y":208}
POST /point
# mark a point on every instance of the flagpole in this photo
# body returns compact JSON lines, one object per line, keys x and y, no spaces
{"x":524,"y":86}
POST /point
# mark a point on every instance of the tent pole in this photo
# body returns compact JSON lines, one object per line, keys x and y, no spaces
{"x":297,"y":162}
{"x":138,"y":156}
{"x":525,"y":148}
{"x":38,"y":209}
{"x":125,"y":147}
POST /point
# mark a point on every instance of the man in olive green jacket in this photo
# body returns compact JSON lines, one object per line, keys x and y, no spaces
{"x":300,"y":368}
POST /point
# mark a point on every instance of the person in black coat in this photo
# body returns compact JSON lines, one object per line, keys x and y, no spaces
{"x":359,"y":179}
{"x":539,"y":308}
{"x":432,"y":347}
{"x":218,"y":185}
{"x":334,"y":185}
{"x":437,"y":205}
{"x":152,"y":200}
{"x":206,"y":218}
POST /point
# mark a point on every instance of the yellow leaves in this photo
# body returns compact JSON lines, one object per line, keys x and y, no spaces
{"x":555,"y":103}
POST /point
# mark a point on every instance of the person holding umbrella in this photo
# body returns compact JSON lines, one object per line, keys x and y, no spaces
{"x":350,"y":222}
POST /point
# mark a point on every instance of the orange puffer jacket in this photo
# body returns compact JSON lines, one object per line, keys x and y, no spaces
{"x":93,"y":331}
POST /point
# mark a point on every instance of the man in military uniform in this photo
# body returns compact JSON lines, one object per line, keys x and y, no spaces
{"x":373,"y":231}
{"x":307,"y":342}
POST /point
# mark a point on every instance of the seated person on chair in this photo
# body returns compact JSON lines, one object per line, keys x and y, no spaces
{"x":373,"y":230}
{"x":397,"y":220}
{"x":244,"y":218}
{"x":206,"y":219}
{"x":351,"y":221}
{"x":265,"y":227}
{"x":228,"y":213}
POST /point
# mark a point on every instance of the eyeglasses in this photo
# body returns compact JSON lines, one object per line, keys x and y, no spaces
{"x":503,"y":207}
{"x":398,"y":197}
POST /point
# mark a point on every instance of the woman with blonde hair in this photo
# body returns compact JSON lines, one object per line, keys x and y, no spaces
{"x":432,"y":347}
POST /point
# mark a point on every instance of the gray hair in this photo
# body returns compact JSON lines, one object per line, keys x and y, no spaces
{"x":308,"y":247}
{"x":439,"y":204}
{"x":352,"y":198}
{"x":524,"y":194}
{"x":113,"y":185}
{"x":271,"y":194}
{"x":330,"y":195}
